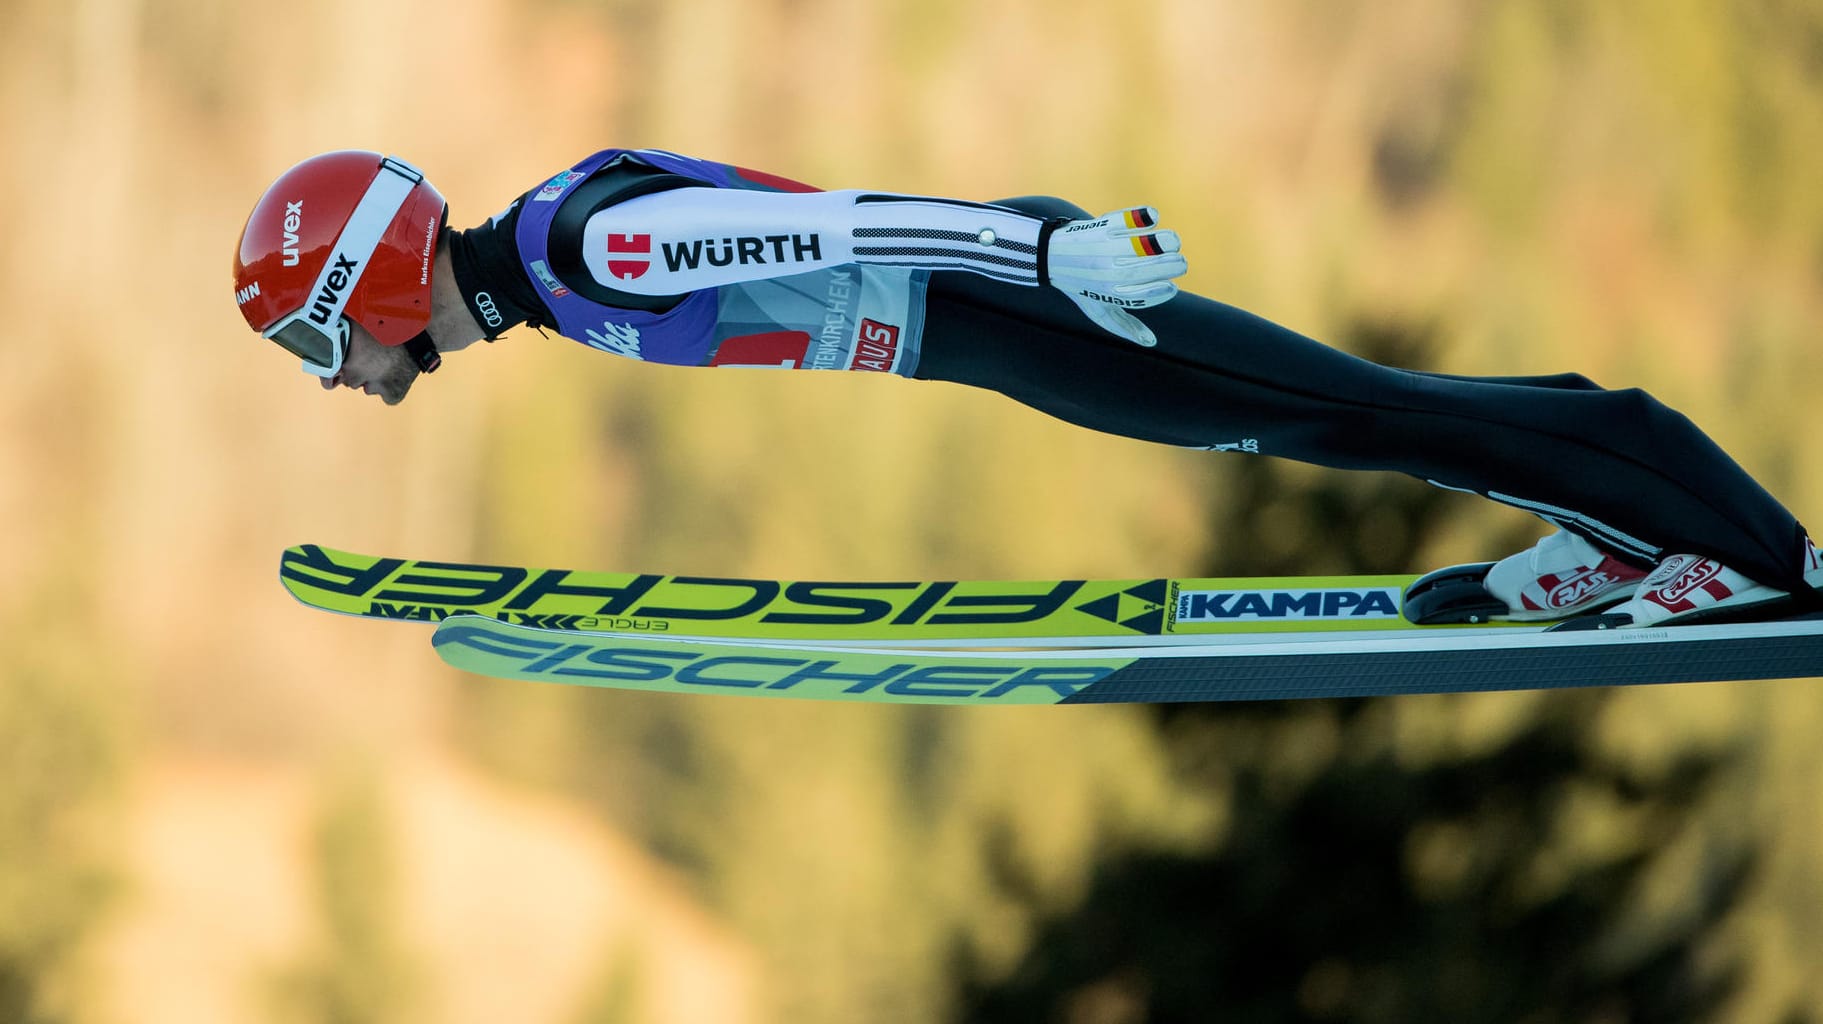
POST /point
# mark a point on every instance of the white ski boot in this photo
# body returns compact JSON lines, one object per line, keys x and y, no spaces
{"x":1690,"y":588}
{"x":1560,"y":577}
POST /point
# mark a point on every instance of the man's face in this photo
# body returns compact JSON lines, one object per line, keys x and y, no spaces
{"x":384,"y":370}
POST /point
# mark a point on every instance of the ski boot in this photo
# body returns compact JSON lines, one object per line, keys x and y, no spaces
{"x":1561,"y":576}
{"x":1691,"y":589}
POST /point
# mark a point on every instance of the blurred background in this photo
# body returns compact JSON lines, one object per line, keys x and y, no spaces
{"x":218,"y":806}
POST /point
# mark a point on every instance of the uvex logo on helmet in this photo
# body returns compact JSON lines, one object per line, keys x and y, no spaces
{"x":624,"y":268}
{"x":294,"y":221}
{"x":346,"y":272}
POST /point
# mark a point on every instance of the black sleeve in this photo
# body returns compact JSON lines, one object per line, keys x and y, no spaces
{"x":623,"y":178}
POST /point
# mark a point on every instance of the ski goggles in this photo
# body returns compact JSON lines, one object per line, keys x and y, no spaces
{"x":317,"y":332}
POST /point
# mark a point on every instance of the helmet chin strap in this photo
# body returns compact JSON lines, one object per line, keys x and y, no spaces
{"x":424,"y":352}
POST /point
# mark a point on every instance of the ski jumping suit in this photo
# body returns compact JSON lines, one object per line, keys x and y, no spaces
{"x":779,"y":274}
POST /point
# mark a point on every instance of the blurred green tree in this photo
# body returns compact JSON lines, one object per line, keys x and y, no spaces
{"x":362,"y":973}
{"x":1354,"y":881}
{"x":1374,"y":891}
{"x":60,"y":767}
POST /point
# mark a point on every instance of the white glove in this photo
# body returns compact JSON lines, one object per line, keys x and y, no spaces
{"x":1114,"y":263}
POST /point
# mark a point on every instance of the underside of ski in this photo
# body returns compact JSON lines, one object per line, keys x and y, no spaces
{"x":1234,"y":667}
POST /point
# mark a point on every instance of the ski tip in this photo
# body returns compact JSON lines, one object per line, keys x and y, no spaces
{"x":332,"y":580}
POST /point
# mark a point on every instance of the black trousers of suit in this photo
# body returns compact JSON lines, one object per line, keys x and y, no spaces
{"x":1615,"y":466}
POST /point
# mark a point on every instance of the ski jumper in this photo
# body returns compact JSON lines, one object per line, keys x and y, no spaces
{"x":666,"y":258}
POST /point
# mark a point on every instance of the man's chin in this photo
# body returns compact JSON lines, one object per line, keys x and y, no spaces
{"x":394,"y":392}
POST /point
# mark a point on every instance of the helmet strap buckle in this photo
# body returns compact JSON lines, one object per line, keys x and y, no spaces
{"x":424,"y":352}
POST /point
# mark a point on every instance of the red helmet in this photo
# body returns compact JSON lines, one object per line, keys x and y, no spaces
{"x":345,"y":234}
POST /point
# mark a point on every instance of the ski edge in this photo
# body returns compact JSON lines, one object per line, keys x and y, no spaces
{"x":1316,"y":668}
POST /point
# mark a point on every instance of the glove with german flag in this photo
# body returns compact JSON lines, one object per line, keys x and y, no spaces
{"x":1116,"y":262}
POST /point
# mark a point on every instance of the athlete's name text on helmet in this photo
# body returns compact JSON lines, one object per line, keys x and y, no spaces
{"x":430,"y":247}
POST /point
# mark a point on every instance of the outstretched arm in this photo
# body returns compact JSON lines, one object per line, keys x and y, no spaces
{"x":684,"y":240}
